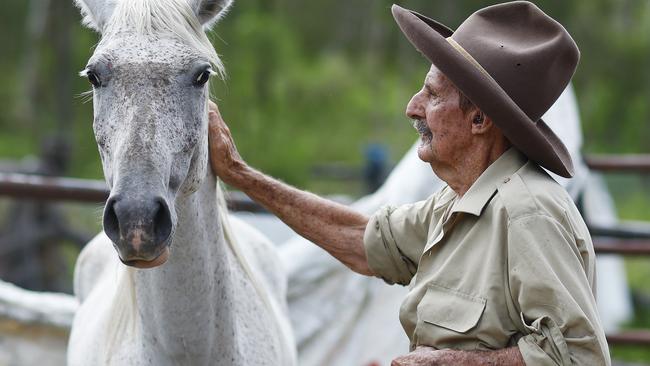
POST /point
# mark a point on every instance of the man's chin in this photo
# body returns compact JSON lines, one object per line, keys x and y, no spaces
{"x":424,"y":152}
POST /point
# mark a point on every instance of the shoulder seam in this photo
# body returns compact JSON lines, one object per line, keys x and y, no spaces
{"x":512,"y":207}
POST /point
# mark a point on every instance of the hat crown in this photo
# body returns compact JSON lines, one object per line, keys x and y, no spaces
{"x":530,"y":55}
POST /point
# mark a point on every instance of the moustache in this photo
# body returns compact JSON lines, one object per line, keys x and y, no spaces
{"x":421,"y":127}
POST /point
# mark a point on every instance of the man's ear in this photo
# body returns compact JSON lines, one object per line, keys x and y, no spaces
{"x":210,"y":12}
{"x":480,"y":123}
{"x":96,"y":13}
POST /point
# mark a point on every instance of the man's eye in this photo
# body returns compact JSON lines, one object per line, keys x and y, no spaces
{"x":202,"y":77}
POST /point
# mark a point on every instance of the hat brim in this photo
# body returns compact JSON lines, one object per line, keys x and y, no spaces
{"x":533,"y":138}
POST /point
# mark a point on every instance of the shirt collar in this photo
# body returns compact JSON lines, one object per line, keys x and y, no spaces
{"x":483,"y":189}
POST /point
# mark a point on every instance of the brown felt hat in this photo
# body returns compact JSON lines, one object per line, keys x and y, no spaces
{"x":512,"y":61}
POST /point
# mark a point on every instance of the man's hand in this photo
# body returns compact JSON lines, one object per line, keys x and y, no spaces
{"x":427,"y":356}
{"x":224,"y":157}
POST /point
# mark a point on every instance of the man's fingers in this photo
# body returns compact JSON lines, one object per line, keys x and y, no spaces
{"x":214,"y":118}
{"x":212,"y":107}
{"x":213,"y":125}
{"x":224,"y":158}
{"x":213,"y":113}
{"x":217,"y":122}
{"x":219,"y":134}
{"x":217,"y":126}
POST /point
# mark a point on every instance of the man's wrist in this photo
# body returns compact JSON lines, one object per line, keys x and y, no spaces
{"x":237,"y":174}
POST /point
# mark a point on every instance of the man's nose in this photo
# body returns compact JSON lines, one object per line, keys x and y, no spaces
{"x":415,"y":108}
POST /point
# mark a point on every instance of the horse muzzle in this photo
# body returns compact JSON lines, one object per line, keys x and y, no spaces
{"x":140,"y":229}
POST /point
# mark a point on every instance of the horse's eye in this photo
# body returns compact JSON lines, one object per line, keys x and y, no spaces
{"x":93,"y":78}
{"x":202,"y":77}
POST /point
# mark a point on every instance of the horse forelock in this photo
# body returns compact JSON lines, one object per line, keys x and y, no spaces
{"x":159,"y":18}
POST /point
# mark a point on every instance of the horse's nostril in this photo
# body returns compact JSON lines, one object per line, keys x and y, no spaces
{"x":111,"y":223}
{"x":162,"y":223}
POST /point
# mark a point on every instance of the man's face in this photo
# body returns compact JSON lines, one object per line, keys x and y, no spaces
{"x":445,"y":130}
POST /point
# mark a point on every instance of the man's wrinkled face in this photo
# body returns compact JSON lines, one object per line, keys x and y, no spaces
{"x":445,"y":130}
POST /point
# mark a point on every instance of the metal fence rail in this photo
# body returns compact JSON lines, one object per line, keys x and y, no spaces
{"x":630,"y":338}
{"x":43,"y":188}
{"x":622,"y":247}
{"x":628,"y":163}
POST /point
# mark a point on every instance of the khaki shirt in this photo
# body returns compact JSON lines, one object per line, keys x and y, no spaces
{"x":510,"y":263}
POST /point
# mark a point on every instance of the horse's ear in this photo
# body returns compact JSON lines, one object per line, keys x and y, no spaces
{"x":96,"y":13}
{"x":210,"y":11}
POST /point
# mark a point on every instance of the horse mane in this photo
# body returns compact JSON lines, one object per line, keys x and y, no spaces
{"x":162,"y":17}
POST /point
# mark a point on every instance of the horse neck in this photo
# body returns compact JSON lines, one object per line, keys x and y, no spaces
{"x":186,"y":303}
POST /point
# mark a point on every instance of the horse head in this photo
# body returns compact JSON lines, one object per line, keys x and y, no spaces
{"x":150,"y":74}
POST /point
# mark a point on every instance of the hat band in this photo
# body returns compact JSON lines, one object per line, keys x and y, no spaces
{"x":469,"y":57}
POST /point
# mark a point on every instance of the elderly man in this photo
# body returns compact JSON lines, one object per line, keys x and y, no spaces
{"x":500,"y":263}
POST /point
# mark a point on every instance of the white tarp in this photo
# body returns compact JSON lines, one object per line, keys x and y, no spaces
{"x":34,"y":326}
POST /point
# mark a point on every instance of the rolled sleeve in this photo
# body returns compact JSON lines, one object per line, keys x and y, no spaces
{"x":545,"y":345}
{"x":550,"y":288}
{"x":394,"y":239}
{"x":384,"y":257}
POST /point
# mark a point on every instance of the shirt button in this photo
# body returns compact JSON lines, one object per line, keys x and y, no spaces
{"x":377,"y":225}
{"x":506,"y":180}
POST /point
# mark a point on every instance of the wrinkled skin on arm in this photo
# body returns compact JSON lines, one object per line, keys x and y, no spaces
{"x":427,"y":356}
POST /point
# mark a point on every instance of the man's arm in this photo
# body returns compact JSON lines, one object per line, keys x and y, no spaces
{"x":551,"y":290}
{"x":332,"y":226}
{"x":427,"y":356}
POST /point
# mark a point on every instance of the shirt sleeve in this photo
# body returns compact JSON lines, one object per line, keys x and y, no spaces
{"x":394,"y":240}
{"x":550,"y":288}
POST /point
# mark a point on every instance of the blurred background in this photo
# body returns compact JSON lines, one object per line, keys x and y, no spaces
{"x":315,"y":93}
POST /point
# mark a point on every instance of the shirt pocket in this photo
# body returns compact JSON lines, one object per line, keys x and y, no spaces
{"x":446,"y":315}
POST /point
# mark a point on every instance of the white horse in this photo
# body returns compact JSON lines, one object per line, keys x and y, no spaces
{"x":183,"y":291}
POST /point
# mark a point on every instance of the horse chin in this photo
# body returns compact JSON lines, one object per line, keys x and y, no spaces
{"x":158,"y":261}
